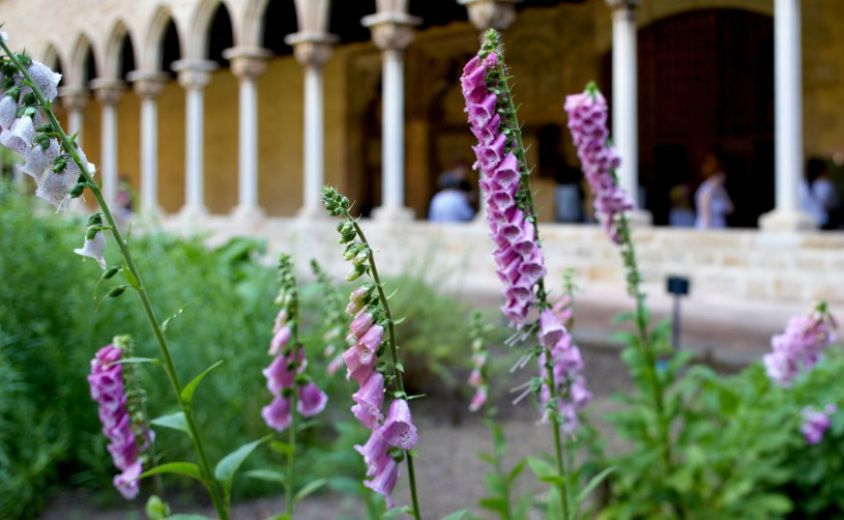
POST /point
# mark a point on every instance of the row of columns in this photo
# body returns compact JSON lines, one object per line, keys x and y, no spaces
{"x":392,"y":31}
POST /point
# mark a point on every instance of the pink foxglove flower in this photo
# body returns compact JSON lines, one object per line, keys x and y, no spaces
{"x":369,"y":400}
{"x":800,"y":346}
{"x":587,"y":114}
{"x":278,"y":414}
{"x":280,"y":340}
{"x":478,"y":377}
{"x":312,"y":400}
{"x":398,"y":429}
{"x":384,"y":480}
{"x":127,"y":439}
{"x":816,"y":423}
{"x":520,"y":262}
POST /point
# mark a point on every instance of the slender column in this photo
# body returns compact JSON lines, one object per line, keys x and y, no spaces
{"x":74,"y":100}
{"x":247,"y":64}
{"x":108,"y":93}
{"x":788,"y":90}
{"x":148,"y":85}
{"x":312,"y":50}
{"x":194,"y":76}
{"x":392,"y":32}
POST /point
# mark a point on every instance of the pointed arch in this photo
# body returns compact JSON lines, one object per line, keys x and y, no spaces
{"x":81,"y":55}
{"x":114,"y":47}
{"x":251,"y":30}
{"x":51,"y":57}
{"x":152,"y":56}
{"x":200,"y":27}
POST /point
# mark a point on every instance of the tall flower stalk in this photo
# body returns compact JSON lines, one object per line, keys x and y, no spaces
{"x":374,"y":367}
{"x":287,"y":380}
{"x":511,"y":215}
{"x":587,"y":113}
{"x":61,"y":171}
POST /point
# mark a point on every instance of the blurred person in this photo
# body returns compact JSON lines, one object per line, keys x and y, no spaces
{"x":568,"y":195}
{"x":818,"y":195}
{"x":452,"y":202}
{"x":712,"y":201}
{"x":125,"y":200}
{"x":681,"y":214}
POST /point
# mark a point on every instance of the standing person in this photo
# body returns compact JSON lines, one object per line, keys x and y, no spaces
{"x":568,"y":195}
{"x":711,"y":199}
{"x":818,"y":196}
{"x":451,"y":202}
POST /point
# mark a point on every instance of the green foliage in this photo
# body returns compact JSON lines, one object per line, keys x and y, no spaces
{"x":500,"y":481}
{"x":736,"y":444}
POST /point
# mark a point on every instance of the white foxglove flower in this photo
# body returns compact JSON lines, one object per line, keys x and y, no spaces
{"x":8,"y":107}
{"x":19,"y":137}
{"x":38,"y":159}
{"x":45,"y":79}
{"x":93,"y":248}
{"x":54,"y":187}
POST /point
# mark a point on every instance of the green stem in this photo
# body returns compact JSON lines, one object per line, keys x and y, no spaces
{"x":291,"y":439}
{"x":542,"y":295}
{"x":169,"y":368}
{"x":394,"y":355}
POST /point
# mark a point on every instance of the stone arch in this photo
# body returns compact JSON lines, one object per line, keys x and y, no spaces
{"x":250,"y":32}
{"x":78,"y":64}
{"x":113,"y":54}
{"x":51,"y":57}
{"x":197,"y":43}
{"x":151,"y":47}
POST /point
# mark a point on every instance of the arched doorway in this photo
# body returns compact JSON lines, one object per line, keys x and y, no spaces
{"x":706,"y":85}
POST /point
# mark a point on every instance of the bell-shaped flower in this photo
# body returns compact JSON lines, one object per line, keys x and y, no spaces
{"x":368,"y":401}
{"x":373,"y":451}
{"x":8,"y":110}
{"x":551,"y":331}
{"x":281,"y":373}
{"x":128,"y":482}
{"x":93,"y":248}
{"x":19,"y":137}
{"x":39,"y":159}
{"x":360,"y":363}
{"x":277,"y":415}
{"x":398,"y":429}
{"x":479,"y":399}
{"x":384,"y":480}
{"x":361,"y":323}
{"x":45,"y":79}
{"x":372,"y":338}
{"x":280,"y":340}
{"x":312,"y":400}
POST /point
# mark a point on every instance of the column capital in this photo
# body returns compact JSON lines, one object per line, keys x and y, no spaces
{"x":625,"y":8}
{"x":247,"y":62}
{"x":148,"y":84}
{"x":311,"y":49}
{"x":391,"y":30}
{"x":194,"y":74}
{"x":108,"y":91}
{"x":74,"y":98}
{"x":491,"y":14}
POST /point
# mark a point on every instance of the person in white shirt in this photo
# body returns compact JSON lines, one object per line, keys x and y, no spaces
{"x":712,"y":201}
{"x":818,"y":196}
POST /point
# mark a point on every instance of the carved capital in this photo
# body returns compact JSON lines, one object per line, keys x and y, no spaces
{"x":391,"y":30}
{"x":624,"y":8}
{"x":148,"y":84}
{"x":74,"y":99}
{"x":194,"y":74}
{"x":491,"y":14}
{"x":311,"y":49}
{"x":248,"y":63}
{"x":108,"y":91}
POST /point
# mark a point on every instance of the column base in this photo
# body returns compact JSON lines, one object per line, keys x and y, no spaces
{"x":639,"y":218}
{"x":193,"y":215}
{"x":150,"y":217}
{"x":248,"y":214}
{"x":392,"y":213}
{"x":787,"y":220}
{"x":317,"y":213}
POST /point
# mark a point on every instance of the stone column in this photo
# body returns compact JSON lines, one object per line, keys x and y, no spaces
{"x":74,"y":100}
{"x":247,"y":64}
{"x":625,"y":99}
{"x":392,"y":32}
{"x":194,"y":76}
{"x":148,"y":85}
{"x":312,"y":50}
{"x":108,"y":93}
{"x":788,"y":121}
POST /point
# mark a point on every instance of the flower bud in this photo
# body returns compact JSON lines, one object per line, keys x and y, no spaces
{"x":77,"y":190}
{"x":356,"y":273}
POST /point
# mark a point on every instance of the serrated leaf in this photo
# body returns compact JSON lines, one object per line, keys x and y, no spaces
{"x":190,"y":388}
{"x":139,"y":360}
{"x":227,"y":467}
{"x":309,"y":488}
{"x":187,"y":469}
{"x":174,"y":421}
{"x":268,"y":475}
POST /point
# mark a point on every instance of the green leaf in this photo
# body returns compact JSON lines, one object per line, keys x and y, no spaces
{"x":593,"y":483}
{"x":174,"y":421}
{"x":228,"y":465}
{"x":540,"y":468}
{"x":397,"y":512}
{"x":188,"y":469}
{"x":282,"y":516}
{"x":130,"y":278}
{"x":268,"y":475}
{"x":281,"y":447}
{"x":182,"y":516}
{"x":190,"y":388}
{"x":457,"y":515}
{"x":309,"y":488}
{"x":139,"y":360}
